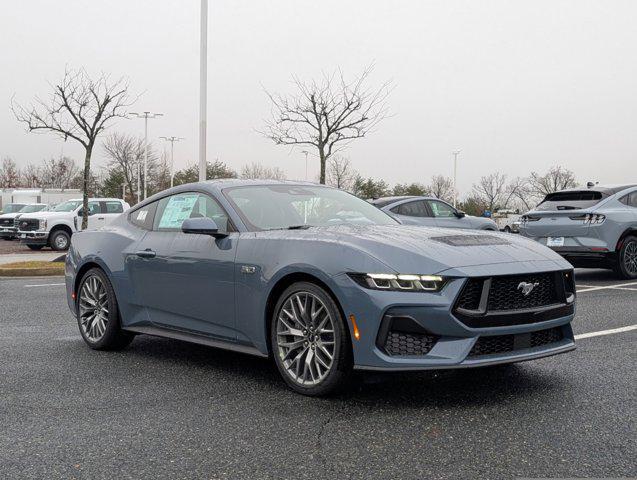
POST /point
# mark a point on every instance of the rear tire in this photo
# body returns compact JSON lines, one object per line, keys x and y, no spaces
{"x":507,"y":229}
{"x":60,"y":240}
{"x":35,"y":247}
{"x":310,"y":340}
{"x":98,"y":313}
{"x":626,"y":266}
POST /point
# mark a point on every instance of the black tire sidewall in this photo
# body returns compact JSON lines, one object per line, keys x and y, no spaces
{"x":56,"y":234}
{"x":621,"y":266}
{"x":342,"y":366}
{"x":35,"y":247}
{"x":114,"y":337}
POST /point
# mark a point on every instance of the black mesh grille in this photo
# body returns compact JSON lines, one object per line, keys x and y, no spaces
{"x":470,"y":296}
{"x":6,"y":222}
{"x":510,"y":343}
{"x":506,"y":292}
{"x":28,"y":224}
{"x":408,"y":344}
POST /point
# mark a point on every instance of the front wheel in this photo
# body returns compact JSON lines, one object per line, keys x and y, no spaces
{"x":626,"y":266}
{"x":98,"y":313}
{"x":310,"y":340}
{"x":60,"y":240}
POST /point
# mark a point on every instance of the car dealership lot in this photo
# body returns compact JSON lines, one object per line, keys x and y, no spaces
{"x":163,"y":408}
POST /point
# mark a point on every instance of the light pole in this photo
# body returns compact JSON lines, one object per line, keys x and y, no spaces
{"x":306,"y":154}
{"x":172,"y":141}
{"x":455,"y":177}
{"x":145,"y":116}
{"x":203,"y":88}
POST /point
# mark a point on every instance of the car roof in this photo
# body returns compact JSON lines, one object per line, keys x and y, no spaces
{"x":93,"y":199}
{"x":222,"y":183}
{"x":384,"y":201}
{"x":608,"y":190}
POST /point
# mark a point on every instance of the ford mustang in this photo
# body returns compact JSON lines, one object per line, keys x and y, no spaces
{"x":318,"y":280}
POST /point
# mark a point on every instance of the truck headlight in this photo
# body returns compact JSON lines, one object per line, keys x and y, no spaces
{"x":42,"y":225}
{"x":400,"y":282}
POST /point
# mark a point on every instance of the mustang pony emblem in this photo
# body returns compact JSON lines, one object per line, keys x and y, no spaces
{"x":527,"y":288}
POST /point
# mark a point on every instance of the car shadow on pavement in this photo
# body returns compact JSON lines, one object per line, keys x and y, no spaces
{"x":461,"y":387}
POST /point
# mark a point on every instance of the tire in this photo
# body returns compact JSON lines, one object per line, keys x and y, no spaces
{"x":626,"y":266}
{"x":60,"y":240}
{"x":292,"y":351}
{"x":97,"y":313}
{"x":8,"y":238}
{"x":35,"y":247}
{"x":507,"y":229}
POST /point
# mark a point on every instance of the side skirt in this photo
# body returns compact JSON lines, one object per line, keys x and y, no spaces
{"x":195,"y":338}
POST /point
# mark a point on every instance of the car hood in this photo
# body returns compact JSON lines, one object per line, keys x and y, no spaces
{"x":10,"y":215}
{"x":416,"y":249}
{"x":47,"y":215}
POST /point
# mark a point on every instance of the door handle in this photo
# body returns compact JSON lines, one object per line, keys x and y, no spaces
{"x":100,"y":218}
{"x":148,"y":253}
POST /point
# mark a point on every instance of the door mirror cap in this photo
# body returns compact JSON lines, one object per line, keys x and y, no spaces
{"x":460,"y":214}
{"x":202,"y":226}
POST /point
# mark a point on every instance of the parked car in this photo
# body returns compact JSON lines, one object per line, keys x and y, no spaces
{"x":54,"y":228}
{"x":318,"y":279}
{"x":591,"y":227}
{"x":11,"y":208}
{"x":9,"y":221}
{"x":430,"y":212}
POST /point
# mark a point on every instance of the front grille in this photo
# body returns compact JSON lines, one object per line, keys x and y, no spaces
{"x":506,"y":292}
{"x":509,"y":343}
{"x":28,"y":225}
{"x":408,"y":344}
{"x":515,"y":299}
{"x":6,"y":222}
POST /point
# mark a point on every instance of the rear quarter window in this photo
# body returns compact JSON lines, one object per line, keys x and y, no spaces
{"x":144,"y":217}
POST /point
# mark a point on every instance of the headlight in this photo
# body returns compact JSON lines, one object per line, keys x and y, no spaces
{"x":400,"y":282}
{"x":42,"y":225}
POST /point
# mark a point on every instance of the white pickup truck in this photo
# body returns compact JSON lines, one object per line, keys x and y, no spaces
{"x":55,"y":227}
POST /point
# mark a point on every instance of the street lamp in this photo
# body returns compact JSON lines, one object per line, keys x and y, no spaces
{"x":172,"y":141}
{"x":306,"y":154}
{"x":203,"y":87}
{"x":145,"y":116}
{"x":455,"y":177}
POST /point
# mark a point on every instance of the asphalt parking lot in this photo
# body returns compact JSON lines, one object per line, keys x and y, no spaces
{"x":163,"y":408}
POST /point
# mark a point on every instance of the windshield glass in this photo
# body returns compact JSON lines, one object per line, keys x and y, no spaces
{"x":268,"y":207}
{"x":570,"y":200}
{"x":67,"y":206}
{"x":12,"y":208}
{"x":31,"y":208}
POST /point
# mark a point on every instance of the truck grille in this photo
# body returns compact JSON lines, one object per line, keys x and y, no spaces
{"x":28,"y":224}
{"x":6,"y":222}
{"x":509,"y":343}
{"x":515,"y":299}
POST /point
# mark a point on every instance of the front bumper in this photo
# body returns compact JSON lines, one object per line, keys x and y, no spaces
{"x":33,"y":237}
{"x":453,"y":344}
{"x":8,"y":232}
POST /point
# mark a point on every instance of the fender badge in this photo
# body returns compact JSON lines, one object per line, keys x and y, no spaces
{"x":248,"y":269}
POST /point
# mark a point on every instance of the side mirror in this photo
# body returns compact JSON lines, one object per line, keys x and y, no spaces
{"x":202,"y":226}
{"x":460,"y":214}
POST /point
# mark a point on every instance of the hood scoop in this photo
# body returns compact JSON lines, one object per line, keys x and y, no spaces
{"x":471,"y":240}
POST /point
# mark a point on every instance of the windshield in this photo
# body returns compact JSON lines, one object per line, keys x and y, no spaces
{"x":12,"y":207}
{"x":67,"y":206}
{"x":269,"y":207}
{"x":31,"y":208}
{"x":572,"y":200}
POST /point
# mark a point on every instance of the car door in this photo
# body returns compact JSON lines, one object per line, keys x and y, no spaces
{"x":95,"y":218}
{"x":414,"y":212}
{"x":110,"y":210}
{"x":189,"y":278}
{"x":446,"y":216}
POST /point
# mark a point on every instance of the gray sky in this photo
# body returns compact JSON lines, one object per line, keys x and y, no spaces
{"x":517,"y":85}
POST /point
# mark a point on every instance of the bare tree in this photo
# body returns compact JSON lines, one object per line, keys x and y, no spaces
{"x":126,"y":153}
{"x":518,"y":191}
{"x":80,"y":108}
{"x":258,"y":171}
{"x":441,"y":187}
{"x":9,"y":174}
{"x":31,"y":176}
{"x":491,"y":191}
{"x":340,"y":173}
{"x":556,"y":179}
{"x":326,"y":115}
{"x":57,"y":173}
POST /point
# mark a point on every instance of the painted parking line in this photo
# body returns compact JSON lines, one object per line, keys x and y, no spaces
{"x":606,"y":332}
{"x":608,"y":287}
{"x":44,"y":285}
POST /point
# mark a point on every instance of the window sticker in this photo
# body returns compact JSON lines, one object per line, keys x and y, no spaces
{"x":177,"y":210}
{"x":141,"y":215}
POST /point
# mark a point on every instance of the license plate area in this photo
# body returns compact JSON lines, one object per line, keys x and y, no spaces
{"x":555,"y":242}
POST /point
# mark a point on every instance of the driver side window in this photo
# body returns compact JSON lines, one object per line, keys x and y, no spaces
{"x":173,"y":210}
{"x":441,"y":209}
{"x":93,"y":208}
{"x":412,"y":209}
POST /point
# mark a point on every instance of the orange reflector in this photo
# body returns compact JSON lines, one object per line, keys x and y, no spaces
{"x":357,"y":334}
{"x":73,"y":295}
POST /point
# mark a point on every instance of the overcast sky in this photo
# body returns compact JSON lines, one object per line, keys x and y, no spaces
{"x":516,"y":85}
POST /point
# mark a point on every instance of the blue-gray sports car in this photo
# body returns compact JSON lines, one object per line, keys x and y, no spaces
{"x":319,"y":280}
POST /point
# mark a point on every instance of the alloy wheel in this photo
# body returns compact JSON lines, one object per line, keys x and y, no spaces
{"x":630,"y":258}
{"x":305,"y":338}
{"x":61,"y":242}
{"x":93,"y":308}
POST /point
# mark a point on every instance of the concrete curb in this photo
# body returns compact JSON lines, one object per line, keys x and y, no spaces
{"x":31,"y":272}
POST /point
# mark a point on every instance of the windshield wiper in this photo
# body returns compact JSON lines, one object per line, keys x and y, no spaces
{"x":299,"y":227}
